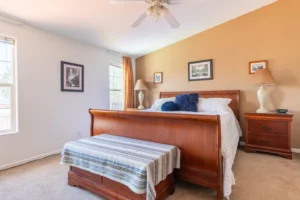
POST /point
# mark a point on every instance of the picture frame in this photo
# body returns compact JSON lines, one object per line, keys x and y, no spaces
{"x":200,"y":70}
{"x":72,"y":77}
{"x":158,"y":77}
{"x":254,"y":65}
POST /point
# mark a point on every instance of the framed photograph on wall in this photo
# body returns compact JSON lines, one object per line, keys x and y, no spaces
{"x":200,"y":70}
{"x":72,"y":77}
{"x":158,"y":77}
{"x":254,"y":65}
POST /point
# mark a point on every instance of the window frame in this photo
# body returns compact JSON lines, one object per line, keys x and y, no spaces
{"x":13,"y":89}
{"x":115,"y":90}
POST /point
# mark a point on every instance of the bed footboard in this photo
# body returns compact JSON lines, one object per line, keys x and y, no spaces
{"x":197,"y":136}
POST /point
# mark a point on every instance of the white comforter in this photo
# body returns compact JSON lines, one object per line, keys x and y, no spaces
{"x":230,"y":133}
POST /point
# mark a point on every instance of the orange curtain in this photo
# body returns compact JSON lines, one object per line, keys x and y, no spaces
{"x":128,"y":83}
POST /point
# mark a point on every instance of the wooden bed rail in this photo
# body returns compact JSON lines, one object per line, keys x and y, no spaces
{"x":197,"y":136}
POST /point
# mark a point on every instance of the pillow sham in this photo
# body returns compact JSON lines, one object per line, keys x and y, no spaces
{"x":169,"y":106}
{"x":213,"y":104}
{"x":159,"y":102}
{"x":187,"y":102}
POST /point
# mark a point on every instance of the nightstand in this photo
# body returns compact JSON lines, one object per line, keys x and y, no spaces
{"x":269,"y":133}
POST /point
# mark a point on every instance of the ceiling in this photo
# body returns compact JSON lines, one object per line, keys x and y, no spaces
{"x":105,"y":25}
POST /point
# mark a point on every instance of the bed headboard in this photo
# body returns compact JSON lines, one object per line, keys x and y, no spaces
{"x":231,"y":94}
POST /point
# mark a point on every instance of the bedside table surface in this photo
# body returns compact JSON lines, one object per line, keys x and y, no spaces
{"x":269,"y":116}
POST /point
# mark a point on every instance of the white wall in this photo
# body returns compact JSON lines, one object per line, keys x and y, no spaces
{"x":48,"y":117}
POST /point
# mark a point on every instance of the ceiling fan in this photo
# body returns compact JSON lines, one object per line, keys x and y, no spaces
{"x":156,"y":9}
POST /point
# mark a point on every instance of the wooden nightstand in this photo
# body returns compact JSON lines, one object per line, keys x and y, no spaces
{"x":269,"y":133}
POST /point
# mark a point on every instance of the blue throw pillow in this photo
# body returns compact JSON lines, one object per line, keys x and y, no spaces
{"x":169,"y":106}
{"x":188,"y":102}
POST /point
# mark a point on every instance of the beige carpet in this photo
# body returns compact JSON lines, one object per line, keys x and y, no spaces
{"x":258,"y":177}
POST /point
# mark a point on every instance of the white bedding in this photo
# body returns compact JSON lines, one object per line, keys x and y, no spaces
{"x":230,"y":133}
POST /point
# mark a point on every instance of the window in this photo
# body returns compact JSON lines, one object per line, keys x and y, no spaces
{"x":8,"y":108}
{"x":116,"y":87}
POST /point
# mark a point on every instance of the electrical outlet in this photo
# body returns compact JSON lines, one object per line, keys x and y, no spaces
{"x":78,"y":134}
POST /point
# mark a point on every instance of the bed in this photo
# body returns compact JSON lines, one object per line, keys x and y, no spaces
{"x":198,"y":136}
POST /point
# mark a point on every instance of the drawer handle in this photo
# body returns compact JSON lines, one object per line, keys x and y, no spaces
{"x":265,"y":128}
{"x":266,"y":141}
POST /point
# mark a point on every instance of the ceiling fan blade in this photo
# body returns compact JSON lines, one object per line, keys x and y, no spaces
{"x":171,"y":19}
{"x":139,"y":20}
{"x":127,"y":1}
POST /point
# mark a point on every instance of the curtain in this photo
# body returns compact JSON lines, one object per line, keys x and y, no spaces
{"x":128,"y":83}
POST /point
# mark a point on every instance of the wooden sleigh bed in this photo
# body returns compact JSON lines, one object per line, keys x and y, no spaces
{"x":197,"y":136}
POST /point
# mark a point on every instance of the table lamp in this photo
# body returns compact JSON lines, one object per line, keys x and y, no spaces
{"x":141,"y":86}
{"x":262,"y":77}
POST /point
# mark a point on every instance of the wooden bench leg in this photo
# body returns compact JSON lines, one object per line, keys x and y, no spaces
{"x":72,"y":183}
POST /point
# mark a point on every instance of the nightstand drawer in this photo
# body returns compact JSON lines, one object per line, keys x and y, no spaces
{"x":268,"y":140}
{"x":272,"y":127}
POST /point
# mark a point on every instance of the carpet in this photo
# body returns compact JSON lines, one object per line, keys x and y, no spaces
{"x":258,"y":177}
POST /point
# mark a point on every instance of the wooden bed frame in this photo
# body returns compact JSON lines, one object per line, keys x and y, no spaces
{"x":197,"y":136}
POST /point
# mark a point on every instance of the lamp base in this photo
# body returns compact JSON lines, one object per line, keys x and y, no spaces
{"x":141,"y":107}
{"x":262,"y":110}
{"x":141,"y":99}
{"x":262,"y":95}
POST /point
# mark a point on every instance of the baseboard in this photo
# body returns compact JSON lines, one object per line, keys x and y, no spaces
{"x":293,"y":149}
{"x":29,"y":160}
{"x":242,"y":143}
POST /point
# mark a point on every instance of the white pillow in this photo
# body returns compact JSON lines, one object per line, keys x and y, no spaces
{"x":213,"y":104}
{"x":159,"y":102}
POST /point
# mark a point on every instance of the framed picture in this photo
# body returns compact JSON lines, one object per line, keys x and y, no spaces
{"x":253,"y":66}
{"x":200,"y":70}
{"x":158,"y":77}
{"x":72,"y":77}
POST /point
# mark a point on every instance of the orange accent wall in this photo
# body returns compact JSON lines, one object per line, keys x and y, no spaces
{"x":270,"y":33}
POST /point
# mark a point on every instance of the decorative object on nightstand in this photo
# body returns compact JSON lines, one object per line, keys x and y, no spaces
{"x":269,"y":133}
{"x":262,"y":77}
{"x":282,"y":111}
{"x":141,"y":86}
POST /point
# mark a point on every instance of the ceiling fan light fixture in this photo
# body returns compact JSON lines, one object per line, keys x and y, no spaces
{"x":158,"y":11}
{"x":150,"y":11}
